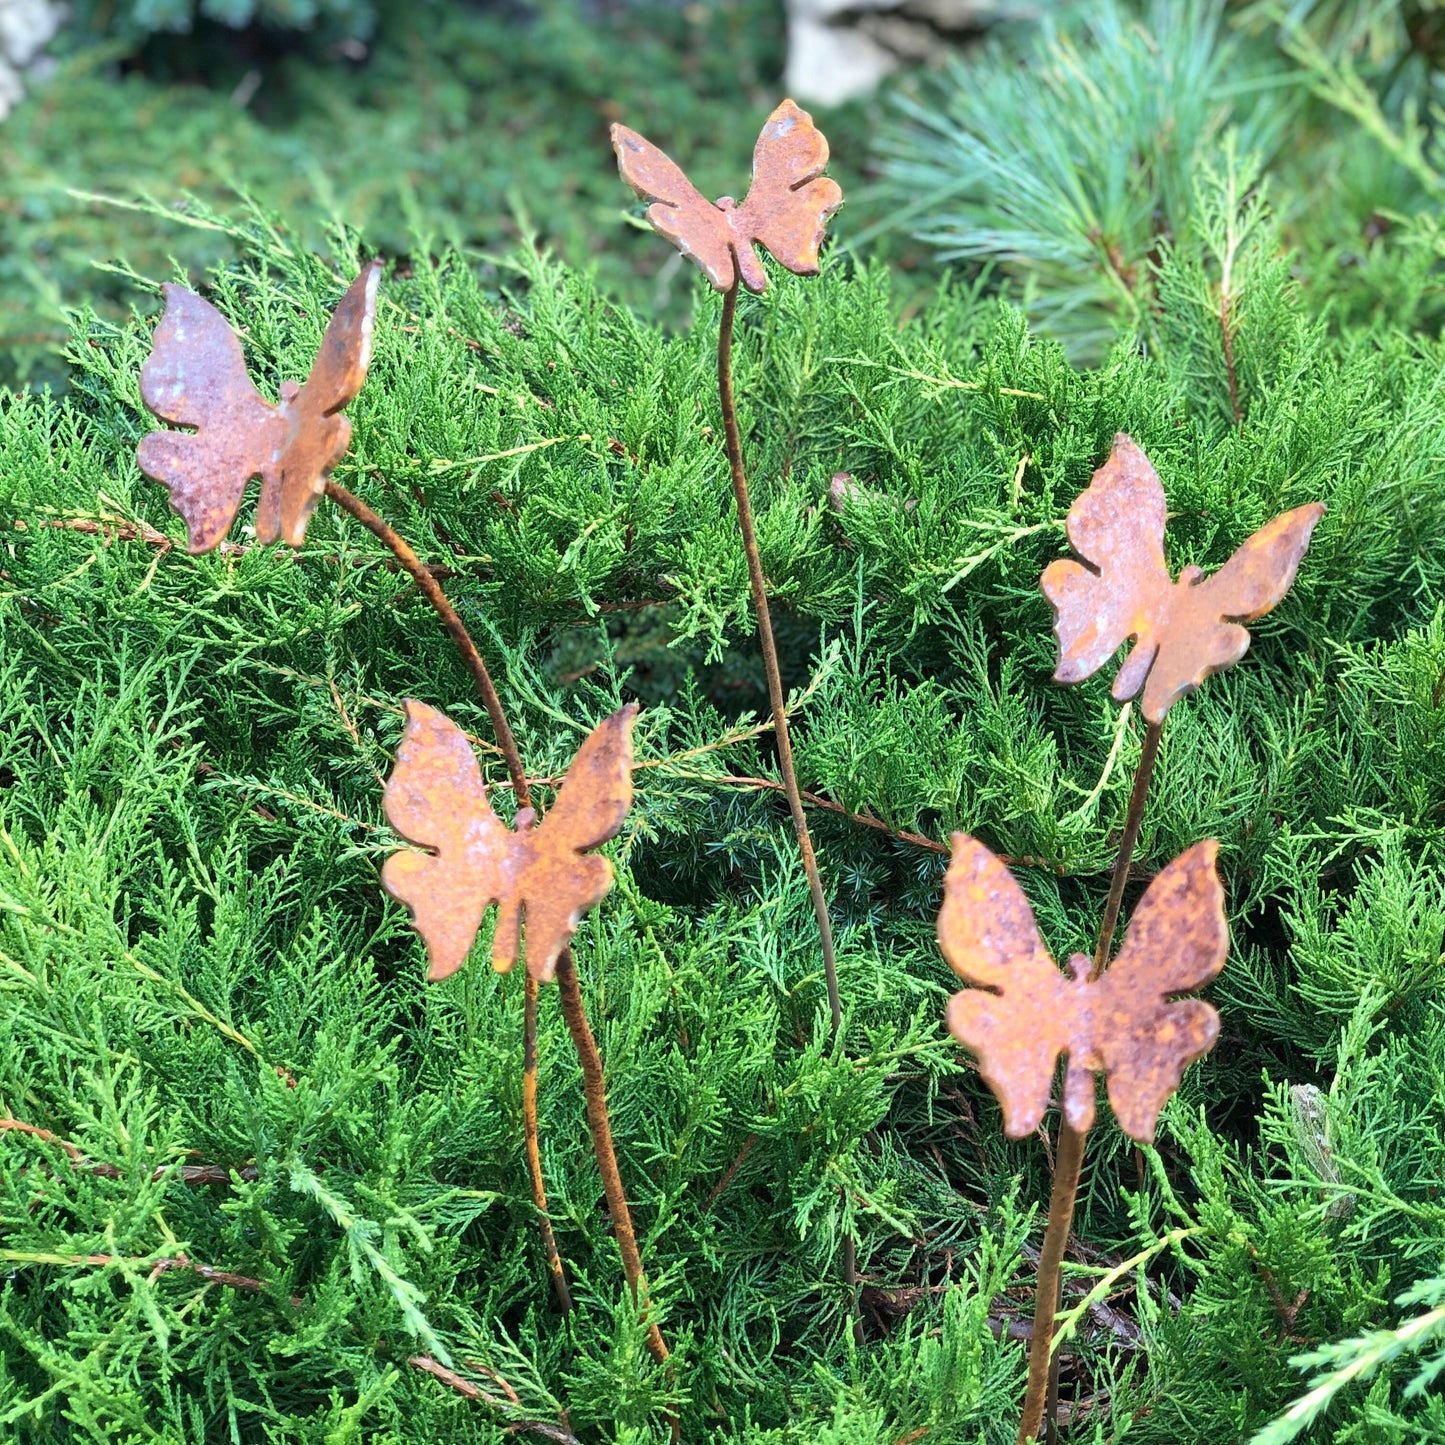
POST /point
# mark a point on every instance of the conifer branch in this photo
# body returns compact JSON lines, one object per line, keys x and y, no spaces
{"x":114,"y":529}
{"x":158,"y":1267}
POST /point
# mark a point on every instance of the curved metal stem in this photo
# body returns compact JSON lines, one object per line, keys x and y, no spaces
{"x":1067,"y":1167}
{"x":431,"y":590}
{"x":476,"y":665}
{"x":594,"y":1090}
{"x":1132,"y":821}
{"x":1041,"y":1396}
{"x":531,"y":1139}
{"x":776,"y":699}
{"x":778,"y":702}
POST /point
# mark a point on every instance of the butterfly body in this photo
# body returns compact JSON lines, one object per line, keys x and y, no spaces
{"x":196,"y":377}
{"x":1183,"y":630}
{"x":538,"y":873}
{"x":1023,"y":1012}
{"x":785,"y":210}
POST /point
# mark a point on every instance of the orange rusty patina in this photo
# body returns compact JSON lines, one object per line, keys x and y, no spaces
{"x":785,"y":210}
{"x":543,"y":872}
{"x":196,"y":377}
{"x":1022,"y":1012}
{"x":1183,"y":630}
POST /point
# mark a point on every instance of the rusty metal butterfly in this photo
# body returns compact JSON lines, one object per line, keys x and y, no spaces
{"x":1127,"y":1024}
{"x":542,"y":873}
{"x":1183,"y":630}
{"x":196,"y":377}
{"x":786,"y":207}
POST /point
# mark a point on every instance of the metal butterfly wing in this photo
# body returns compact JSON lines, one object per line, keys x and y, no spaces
{"x":542,"y":875}
{"x":1183,"y":630}
{"x":1116,"y":525}
{"x":1017,"y":1017}
{"x":786,"y":209}
{"x":790,"y":199}
{"x":1140,"y":1036}
{"x":1202,"y":634}
{"x":196,"y":377}
{"x":560,"y":878}
{"x":692,"y":223}
{"x":435,"y":797}
{"x":317,"y":437}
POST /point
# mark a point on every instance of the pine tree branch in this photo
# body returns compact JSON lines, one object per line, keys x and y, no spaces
{"x":111,"y":529}
{"x":816,"y":800}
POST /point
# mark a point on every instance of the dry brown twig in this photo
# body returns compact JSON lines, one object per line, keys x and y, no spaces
{"x":186,"y":1173}
{"x":472,"y":1391}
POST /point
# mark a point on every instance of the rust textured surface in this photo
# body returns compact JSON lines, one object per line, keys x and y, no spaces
{"x":196,"y":377}
{"x":541,"y":873}
{"x":786,"y":208}
{"x":1022,"y":1012}
{"x":1183,"y":630}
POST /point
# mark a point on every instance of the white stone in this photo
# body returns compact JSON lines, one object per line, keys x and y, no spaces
{"x":11,"y":89}
{"x":830,"y":62}
{"x":840,"y":49}
{"x":26,"y":28}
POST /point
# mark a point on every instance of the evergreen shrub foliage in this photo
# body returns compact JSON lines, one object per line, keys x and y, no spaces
{"x":198,"y":965}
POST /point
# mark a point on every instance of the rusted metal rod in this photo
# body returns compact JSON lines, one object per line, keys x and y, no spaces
{"x":778,"y":702}
{"x":1067,"y":1165}
{"x":476,"y":665}
{"x":594,"y":1090}
{"x":1133,"y":819}
{"x":431,"y":589}
{"x":1041,"y":1395}
{"x":531,"y":1138}
{"x":776,"y":698}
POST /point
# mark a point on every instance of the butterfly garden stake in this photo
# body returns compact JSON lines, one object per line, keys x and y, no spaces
{"x":1128,"y":1023}
{"x":786,"y":209}
{"x":542,"y":874}
{"x":196,"y":377}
